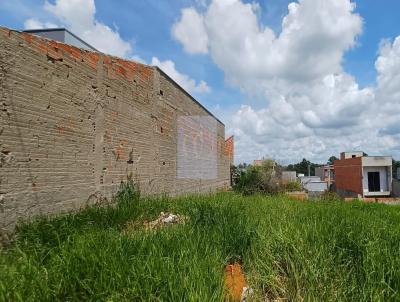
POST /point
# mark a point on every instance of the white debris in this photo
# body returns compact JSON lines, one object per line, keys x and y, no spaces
{"x":169,"y":218}
{"x":246,"y":293}
{"x":165,"y":218}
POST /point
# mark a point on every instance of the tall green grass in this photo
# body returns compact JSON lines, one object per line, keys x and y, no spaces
{"x":311,"y":251}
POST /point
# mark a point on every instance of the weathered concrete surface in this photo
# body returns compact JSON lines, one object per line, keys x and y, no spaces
{"x":74,"y":124}
{"x":396,"y":188}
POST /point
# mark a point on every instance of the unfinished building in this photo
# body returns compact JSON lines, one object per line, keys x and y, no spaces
{"x":75,"y":123}
{"x":357,"y":175}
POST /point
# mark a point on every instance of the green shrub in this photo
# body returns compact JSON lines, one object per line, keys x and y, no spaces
{"x":249,"y":181}
{"x":127,"y":192}
{"x":264,"y":179}
{"x":292,"y":186}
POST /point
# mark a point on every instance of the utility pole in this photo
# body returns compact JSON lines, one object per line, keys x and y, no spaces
{"x":309,"y":170}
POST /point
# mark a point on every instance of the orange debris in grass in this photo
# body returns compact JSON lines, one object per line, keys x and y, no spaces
{"x":234,"y":281}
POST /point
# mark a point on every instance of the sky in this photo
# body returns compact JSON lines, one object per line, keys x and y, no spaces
{"x":289,"y":79}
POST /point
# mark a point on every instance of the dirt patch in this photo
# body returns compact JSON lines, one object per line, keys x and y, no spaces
{"x":163,"y":220}
{"x":299,"y":195}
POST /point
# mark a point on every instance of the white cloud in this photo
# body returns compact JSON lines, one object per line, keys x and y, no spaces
{"x":191,"y":31}
{"x":388,"y":68}
{"x":79,"y":17}
{"x":312,"y":31}
{"x":33,"y":23}
{"x":183,"y":80}
{"x":78,"y":14}
{"x":310,"y":106}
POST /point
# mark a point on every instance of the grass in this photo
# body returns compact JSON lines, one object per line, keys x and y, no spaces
{"x":311,"y":251}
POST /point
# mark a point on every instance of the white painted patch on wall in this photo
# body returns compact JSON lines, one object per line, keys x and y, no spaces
{"x":197,"y":147}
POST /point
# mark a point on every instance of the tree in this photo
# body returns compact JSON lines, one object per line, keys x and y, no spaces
{"x":242,"y":166}
{"x":302,"y":167}
{"x":332,"y":159}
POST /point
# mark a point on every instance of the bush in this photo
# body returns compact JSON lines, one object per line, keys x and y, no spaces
{"x":127,"y":192}
{"x":258,"y":179}
{"x":291,"y":186}
{"x":249,"y":181}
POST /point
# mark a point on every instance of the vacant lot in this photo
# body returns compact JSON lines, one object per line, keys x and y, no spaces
{"x":324,"y":251}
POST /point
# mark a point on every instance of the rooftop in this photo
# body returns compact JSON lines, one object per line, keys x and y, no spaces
{"x":62,"y":35}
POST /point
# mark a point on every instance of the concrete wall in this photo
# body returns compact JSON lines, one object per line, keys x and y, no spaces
{"x":306,"y":179}
{"x":316,"y":186}
{"x":289,"y":176}
{"x":74,"y":124}
{"x":348,"y":177}
{"x":320,"y":172}
{"x":396,"y":188}
{"x":384,"y":179}
{"x":377,"y":161}
{"x":346,"y":155}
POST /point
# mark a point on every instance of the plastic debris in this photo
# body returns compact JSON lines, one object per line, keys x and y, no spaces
{"x":247,"y":292}
{"x":169,"y":218}
{"x":164,"y":219}
{"x":235,"y":283}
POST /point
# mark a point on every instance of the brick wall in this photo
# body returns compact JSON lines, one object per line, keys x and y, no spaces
{"x":229,"y":149}
{"x":348,"y":176}
{"x":74,"y":124}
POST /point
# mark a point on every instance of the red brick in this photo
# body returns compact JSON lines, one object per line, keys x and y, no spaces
{"x":348,"y":174}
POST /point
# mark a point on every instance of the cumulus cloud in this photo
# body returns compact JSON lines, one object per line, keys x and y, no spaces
{"x":191,"y":31}
{"x":310,"y":106}
{"x":312,"y":31}
{"x":33,"y":23}
{"x":79,"y":17}
{"x":388,"y":68}
{"x":183,"y":80}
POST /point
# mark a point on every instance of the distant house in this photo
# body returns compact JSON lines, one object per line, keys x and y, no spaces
{"x":258,"y":162}
{"x":326,"y":173}
{"x":289,"y":176}
{"x":357,"y":175}
{"x":313,"y":184}
{"x":61,"y":35}
{"x":351,"y":154}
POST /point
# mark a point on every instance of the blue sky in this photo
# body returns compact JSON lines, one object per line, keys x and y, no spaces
{"x":244,"y":99}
